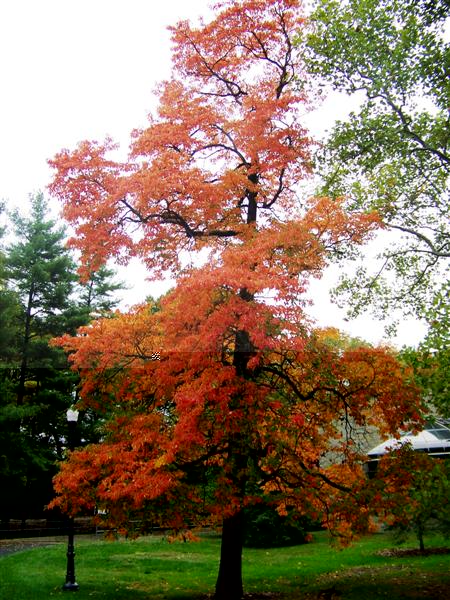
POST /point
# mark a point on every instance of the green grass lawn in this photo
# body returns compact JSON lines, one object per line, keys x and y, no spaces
{"x":151,"y":568}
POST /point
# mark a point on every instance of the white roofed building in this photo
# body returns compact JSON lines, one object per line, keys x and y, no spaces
{"x":434,"y":439}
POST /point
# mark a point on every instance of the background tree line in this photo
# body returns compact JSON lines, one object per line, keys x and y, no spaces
{"x":391,"y":154}
{"x":41,"y":297}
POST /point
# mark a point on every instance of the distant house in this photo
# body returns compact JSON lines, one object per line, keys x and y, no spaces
{"x":434,"y":440}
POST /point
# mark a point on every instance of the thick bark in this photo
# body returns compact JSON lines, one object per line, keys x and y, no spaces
{"x":229,"y":581}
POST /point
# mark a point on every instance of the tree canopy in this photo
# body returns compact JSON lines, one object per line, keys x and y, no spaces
{"x":392,"y":153}
{"x":39,"y":299}
{"x":222,"y":395}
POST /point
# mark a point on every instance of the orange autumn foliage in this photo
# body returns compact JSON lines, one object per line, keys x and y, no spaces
{"x":227,"y":135}
{"x":299,"y":413}
{"x":246,"y":400}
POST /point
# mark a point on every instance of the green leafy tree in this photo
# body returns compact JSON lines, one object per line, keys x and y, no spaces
{"x":392,"y":153}
{"x":40,"y":298}
{"x":98,"y":294}
{"x":420,"y":505}
{"x":431,"y":360}
{"x":9,"y":309}
{"x":39,"y":275}
{"x":436,"y":349}
{"x":41,"y":271}
{"x":8,"y":303}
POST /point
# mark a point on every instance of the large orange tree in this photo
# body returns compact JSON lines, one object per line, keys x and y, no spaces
{"x":246,"y":402}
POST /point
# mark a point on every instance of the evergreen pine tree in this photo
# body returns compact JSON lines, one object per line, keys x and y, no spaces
{"x":40,"y":298}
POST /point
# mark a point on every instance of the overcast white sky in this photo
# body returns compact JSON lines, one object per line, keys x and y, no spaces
{"x":83,"y":69}
{"x":73,"y":70}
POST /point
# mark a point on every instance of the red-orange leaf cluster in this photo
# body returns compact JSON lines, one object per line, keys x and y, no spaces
{"x":246,"y":403}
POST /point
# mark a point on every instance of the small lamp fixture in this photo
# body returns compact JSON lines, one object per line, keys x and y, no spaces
{"x":72,"y":415}
{"x":71,"y":584}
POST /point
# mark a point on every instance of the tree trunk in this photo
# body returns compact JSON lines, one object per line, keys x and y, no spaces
{"x":420,"y":536}
{"x":25,"y":348}
{"x":229,"y":581}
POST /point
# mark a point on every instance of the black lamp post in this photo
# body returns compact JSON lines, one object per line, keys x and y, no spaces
{"x":71,"y":585}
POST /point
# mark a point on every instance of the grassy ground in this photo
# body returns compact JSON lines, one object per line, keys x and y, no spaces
{"x":153,"y":569}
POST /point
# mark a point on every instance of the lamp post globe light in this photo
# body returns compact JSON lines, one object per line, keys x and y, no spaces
{"x":71,"y":585}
